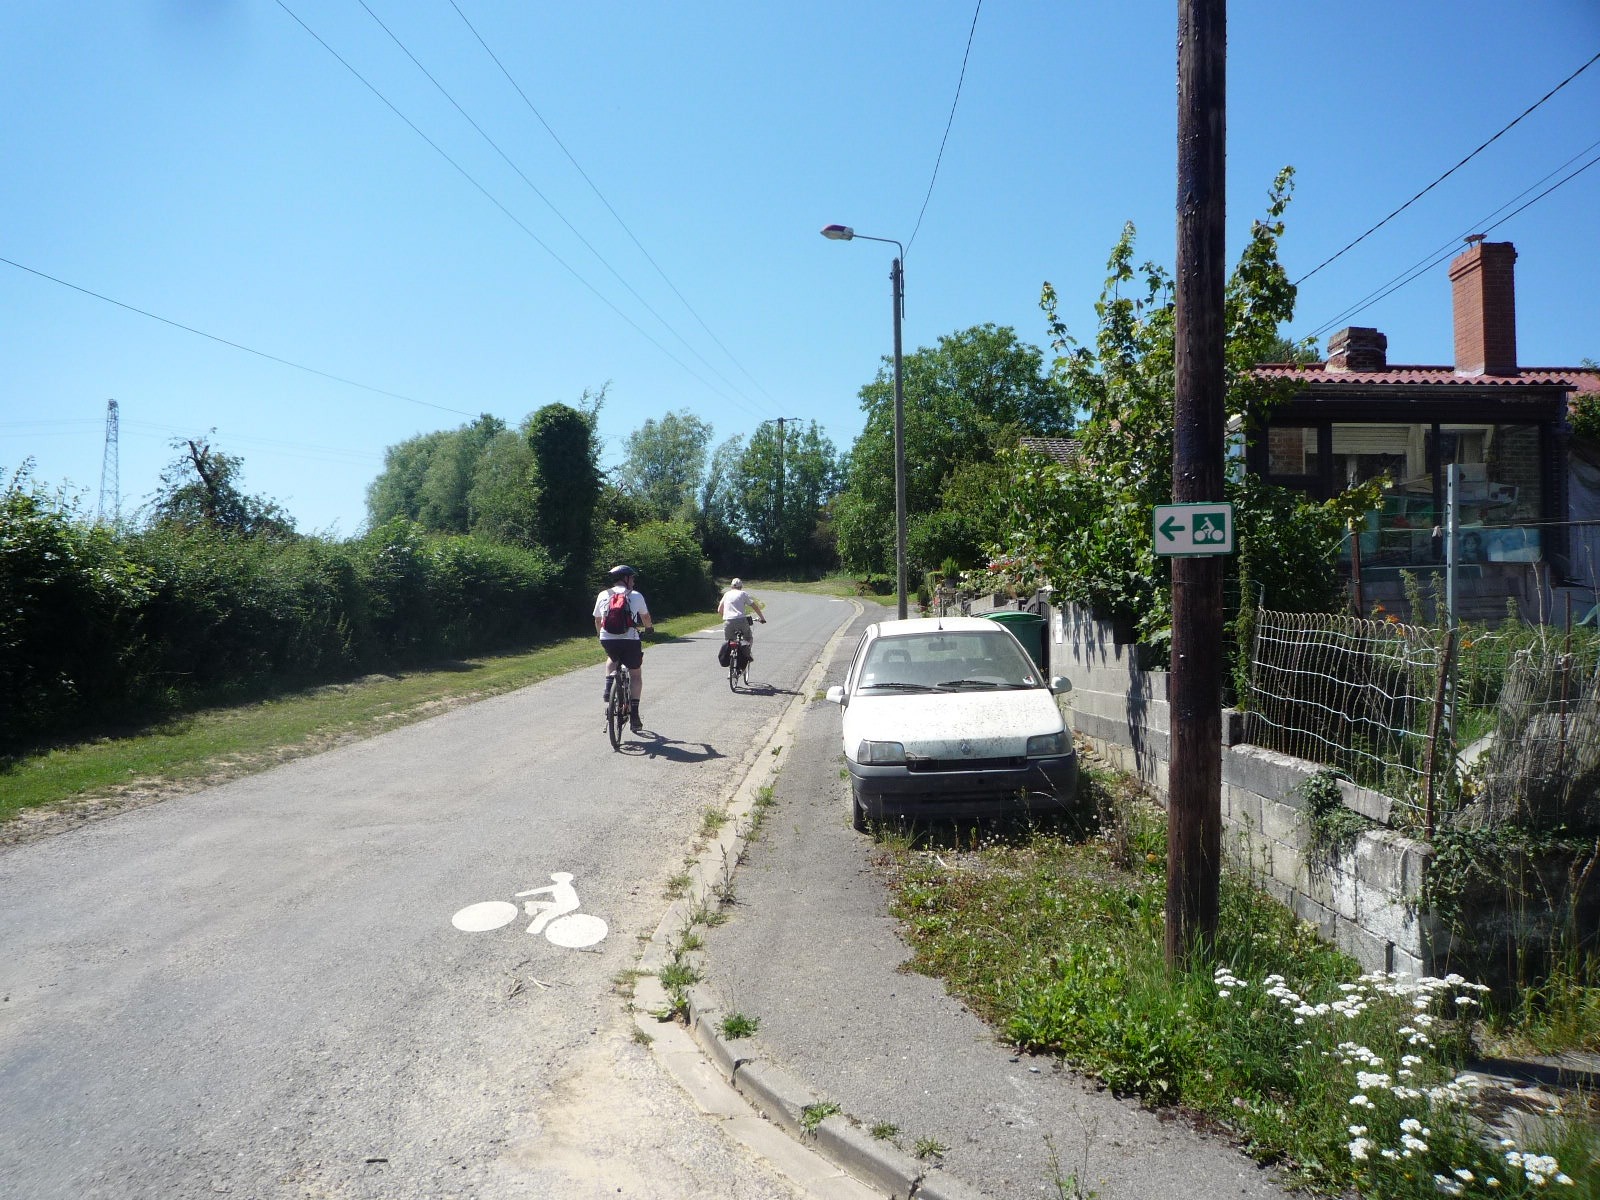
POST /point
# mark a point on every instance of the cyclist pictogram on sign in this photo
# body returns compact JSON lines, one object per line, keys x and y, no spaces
{"x":1183,"y":530}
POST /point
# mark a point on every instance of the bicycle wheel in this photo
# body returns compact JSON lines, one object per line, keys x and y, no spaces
{"x":617,"y":709}
{"x":733,"y":668}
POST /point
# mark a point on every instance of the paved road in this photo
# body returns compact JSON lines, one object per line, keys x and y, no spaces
{"x":257,"y":989}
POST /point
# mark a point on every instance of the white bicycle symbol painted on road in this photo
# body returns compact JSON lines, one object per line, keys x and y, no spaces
{"x":556,"y":917}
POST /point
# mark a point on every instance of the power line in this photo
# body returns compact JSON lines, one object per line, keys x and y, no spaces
{"x":1440,"y":256}
{"x":1450,"y":247}
{"x":1451,"y":171}
{"x":951,"y":121}
{"x":489,"y":196}
{"x":601,"y":196}
{"x":235,"y":345}
{"x":506,"y":158}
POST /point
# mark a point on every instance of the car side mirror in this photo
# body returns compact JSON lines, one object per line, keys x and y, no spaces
{"x":1059,"y":684}
{"x":836,"y":694}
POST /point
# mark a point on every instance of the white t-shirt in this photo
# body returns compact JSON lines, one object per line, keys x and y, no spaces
{"x":635,"y":603}
{"x":735,"y":602}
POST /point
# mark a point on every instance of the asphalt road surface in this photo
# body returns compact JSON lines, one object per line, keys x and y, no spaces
{"x":257,"y":990}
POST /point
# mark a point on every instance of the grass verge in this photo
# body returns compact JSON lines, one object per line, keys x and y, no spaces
{"x":832,"y":585}
{"x":213,"y":745}
{"x":1347,"y":1081}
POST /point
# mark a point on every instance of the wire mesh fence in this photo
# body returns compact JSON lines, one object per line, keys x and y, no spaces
{"x":1529,"y":737}
{"x":1483,"y":724}
{"x":1359,"y":696}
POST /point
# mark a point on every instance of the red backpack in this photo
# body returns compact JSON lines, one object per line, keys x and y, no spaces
{"x":619,"y":614}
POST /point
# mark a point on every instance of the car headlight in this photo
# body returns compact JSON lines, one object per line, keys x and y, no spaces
{"x":880,"y":753}
{"x":1047,"y":743}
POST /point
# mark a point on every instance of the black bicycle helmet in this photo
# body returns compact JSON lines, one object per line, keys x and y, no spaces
{"x":621,"y":571}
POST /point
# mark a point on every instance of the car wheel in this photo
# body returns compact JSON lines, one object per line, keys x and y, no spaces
{"x":858,"y":811}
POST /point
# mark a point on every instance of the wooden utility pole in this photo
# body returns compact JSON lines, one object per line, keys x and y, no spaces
{"x":779,"y":539}
{"x":1194,"y":779}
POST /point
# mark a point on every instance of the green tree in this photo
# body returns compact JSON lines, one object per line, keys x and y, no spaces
{"x":70,"y":601}
{"x":200,"y":490}
{"x":717,"y":525}
{"x":503,"y":501}
{"x":665,"y":462}
{"x":444,"y":500}
{"x":566,"y":474}
{"x":808,"y":467}
{"x":1585,"y":411}
{"x":397,"y":491}
{"x":1084,"y":527}
{"x":965,"y":400}
{"x":429,"y":479}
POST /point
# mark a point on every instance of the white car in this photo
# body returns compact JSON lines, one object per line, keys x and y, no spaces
{"x":949,"y":717}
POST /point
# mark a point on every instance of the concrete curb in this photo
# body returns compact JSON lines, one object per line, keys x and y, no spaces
{"x":772,"y":1092}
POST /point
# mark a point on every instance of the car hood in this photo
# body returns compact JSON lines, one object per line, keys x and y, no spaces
{"x":976,"y":724}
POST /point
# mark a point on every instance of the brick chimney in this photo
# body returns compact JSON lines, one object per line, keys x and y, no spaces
{"x":1483,"y":290}
{"x":1357,"y":349}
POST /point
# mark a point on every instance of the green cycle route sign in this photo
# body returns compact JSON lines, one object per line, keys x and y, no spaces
{"x":1190,"y":530}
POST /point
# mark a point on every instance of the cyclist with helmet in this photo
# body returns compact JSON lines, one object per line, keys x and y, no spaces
{"x":619,"y":614}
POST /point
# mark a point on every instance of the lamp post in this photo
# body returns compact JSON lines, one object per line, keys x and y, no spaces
{"x":843,"y":233}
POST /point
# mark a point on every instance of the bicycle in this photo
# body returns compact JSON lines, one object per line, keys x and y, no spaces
{"x":738,"y":660}
{"x":620,"y":706}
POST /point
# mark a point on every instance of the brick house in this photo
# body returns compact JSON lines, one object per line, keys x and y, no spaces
{"x":1357,"y":416}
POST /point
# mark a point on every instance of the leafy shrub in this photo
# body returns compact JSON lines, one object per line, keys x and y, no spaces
{"x":672,"y":574}
{"x":69,"y":604}
{"x":393,"y":563}
{"x":100,"y":626}
{"x":229,"y":613}
{"x":486,"y":595}
{"x":1585,"y":417}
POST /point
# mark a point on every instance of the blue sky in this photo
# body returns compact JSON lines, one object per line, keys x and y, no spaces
{"x":210,"y":162}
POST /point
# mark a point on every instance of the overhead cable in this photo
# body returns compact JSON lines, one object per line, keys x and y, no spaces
{"x":601,"y":196}
{"x":948,"y":123}
{"x":236,"y":345}
{"x":537,"y":192}
{"x":1450,"y":247}
{"x":512,"y":217}
{"x":1441,"y":256}
{"x":1451,"y":171}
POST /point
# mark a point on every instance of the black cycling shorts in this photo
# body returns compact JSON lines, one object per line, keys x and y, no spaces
{"x":627,"y":651}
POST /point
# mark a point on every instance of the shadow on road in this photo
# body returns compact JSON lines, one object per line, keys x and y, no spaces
{"x":766,"y":689}
{"x":670,"y":748}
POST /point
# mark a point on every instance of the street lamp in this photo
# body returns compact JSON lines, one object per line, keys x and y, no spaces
{"x":843,"y":233}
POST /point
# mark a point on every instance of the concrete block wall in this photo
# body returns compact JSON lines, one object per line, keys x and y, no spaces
{"x":1366,"y":901}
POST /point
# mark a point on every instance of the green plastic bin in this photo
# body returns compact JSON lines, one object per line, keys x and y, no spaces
{"x":1028,"y":628}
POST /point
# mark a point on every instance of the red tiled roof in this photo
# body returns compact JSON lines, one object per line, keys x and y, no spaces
{"x":1579,"y":379}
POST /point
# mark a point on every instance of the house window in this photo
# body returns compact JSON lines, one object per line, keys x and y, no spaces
{"x":1363,"y":452}
{"x":1499,"y":498}
{"x":1292,"y":454}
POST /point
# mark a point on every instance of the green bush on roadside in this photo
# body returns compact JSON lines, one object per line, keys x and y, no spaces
{"x":101,"y":626}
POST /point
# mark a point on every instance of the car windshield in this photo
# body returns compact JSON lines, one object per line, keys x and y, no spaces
{"x":969,"y":660}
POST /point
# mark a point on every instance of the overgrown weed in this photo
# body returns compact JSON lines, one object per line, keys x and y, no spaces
{"x":1347,"y":1080}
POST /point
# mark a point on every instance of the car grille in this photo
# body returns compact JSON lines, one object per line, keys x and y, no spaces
{"x":945,"y":765}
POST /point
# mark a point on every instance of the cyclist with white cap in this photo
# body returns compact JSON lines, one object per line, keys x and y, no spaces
{"x":735,"y":608}
{"x":619,"y":614}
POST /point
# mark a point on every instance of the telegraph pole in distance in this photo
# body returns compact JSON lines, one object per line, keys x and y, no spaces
{"x":1194,"y":775}
{"x":780,"y":421}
